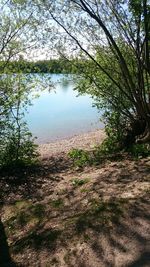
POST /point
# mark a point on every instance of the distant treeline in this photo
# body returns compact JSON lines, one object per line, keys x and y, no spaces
{"x":42,"y":66}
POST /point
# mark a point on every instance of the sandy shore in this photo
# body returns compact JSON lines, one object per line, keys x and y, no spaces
{"x":82,"y":141}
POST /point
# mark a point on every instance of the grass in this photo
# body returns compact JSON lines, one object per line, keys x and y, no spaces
{"x":38,"y":211}
{"x":100,"y":214}
{"x":37,"y":239}
{"x":21,"y":204}
{"x":57,"y":203}
{"x":79,"y":182}
{"x":22,"y":214}
{"x":84,"y":190}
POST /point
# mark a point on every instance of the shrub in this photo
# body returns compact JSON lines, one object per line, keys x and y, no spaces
{"x":80,"y":157}
{"x":140,"y":150}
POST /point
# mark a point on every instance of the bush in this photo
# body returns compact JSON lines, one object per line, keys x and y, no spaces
{"x":80,"y":157}
{"x":140,"y":150}
{"x":13,"y":155}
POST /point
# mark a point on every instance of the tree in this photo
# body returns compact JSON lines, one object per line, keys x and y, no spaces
{"x":115,"y":37}
{"x":16,"y":144}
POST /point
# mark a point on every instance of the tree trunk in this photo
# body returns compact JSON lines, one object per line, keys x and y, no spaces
{"x":5,"y":258}
{"x":145,"y":138}
{"x":139,"y":132}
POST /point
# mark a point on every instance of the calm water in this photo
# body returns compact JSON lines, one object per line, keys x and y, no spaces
{"x":60,"y":113}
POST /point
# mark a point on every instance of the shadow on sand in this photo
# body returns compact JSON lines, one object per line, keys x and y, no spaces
{"x":5,"y":258}
{"x":106,"y":233}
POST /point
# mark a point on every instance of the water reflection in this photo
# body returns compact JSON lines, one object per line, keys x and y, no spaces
{"x":61,"y":113}
{"x":65,"y":86}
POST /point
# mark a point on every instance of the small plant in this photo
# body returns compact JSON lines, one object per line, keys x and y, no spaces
{"x":22,"y":218}
{"x":80,"y":157}
{"x":38,"y":211}
{"x":57,"y":203}
{"x":79,"y":182}
{"x":22,"y":204}
{"x":84,"y":190}
{"x":107,"y":148}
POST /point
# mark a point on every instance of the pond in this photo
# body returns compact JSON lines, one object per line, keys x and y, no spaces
{"x":60,"y":113}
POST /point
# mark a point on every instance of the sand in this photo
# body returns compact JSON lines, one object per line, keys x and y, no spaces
{"x":83,"y":141}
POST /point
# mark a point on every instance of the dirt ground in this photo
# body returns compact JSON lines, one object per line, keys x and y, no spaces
{"x":62,"y":216}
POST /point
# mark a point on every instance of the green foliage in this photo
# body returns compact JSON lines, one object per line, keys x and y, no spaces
{"x":19,"y":151}
{"x":116,"y":109}
{"x":16,"y":142}
{"x":41,"y":66}
{"x":109,"y":147}
{"x":57,"y":203}
{"x":80,"y":157}
{"x":115,"y":130}
{"x":139,"y":150}
{"x":17,"y":146}
{"x":17,"y":33}
{"x":106,"y":149}
{"x":60,"y":65}
{"x":38,"y":211}
{"x":79,"y":182}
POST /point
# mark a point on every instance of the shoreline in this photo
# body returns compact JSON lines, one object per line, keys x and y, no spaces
{"x":81,"y":141}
